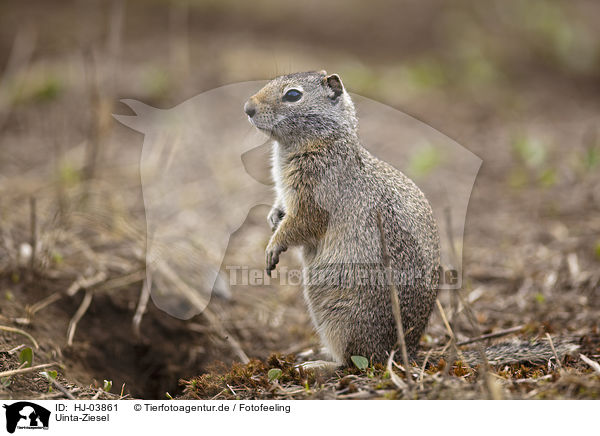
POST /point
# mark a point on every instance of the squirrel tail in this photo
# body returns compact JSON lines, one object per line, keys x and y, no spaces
{"x":517,"y":351}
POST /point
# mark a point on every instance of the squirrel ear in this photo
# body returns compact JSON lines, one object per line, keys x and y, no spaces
{"x":334,"y":83}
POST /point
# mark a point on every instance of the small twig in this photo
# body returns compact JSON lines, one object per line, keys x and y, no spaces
{"x":33,"y":234}
{"x":424,"y":365}
{"x":60,"y":186}
{"x":554,"y":351}
{"x":386,"y":259}
{"x":114,"y":43}
{"x":19,"y":60}
{"x":83,"y":307}
{"x":26,"y":370}
{"x":221,"y":393}
{"x":595,"y":365}
{"x":475,"y":325}
{"x":80,"y":283}
{"x":43,"y":303}
{"x":14,"y":350}
{"x":61,"y":388}
{"x":454,"y":308}
{"x":492,"y":335}
{"x":142,"y":304}
{"x":121,"y":282}
{"x":20,"y":332}
{"x":532,"y":380}
{"x":444,"y":318}
{"x":454,"y":351}
{"x":393,"y":376}
{"x":85,"y":283}
{"x":95,"y":128}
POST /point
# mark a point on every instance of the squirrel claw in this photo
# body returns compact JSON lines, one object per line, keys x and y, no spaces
{"x":272,"y":255}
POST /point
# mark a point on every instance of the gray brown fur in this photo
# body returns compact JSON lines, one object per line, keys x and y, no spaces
{"x":516,"y":351}
{"x":329,"y":190}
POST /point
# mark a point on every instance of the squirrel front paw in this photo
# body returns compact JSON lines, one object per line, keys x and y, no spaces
{"x":272,"y":254}
{"x":274,"y":218}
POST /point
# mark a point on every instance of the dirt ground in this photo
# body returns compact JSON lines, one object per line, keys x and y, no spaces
{"x":518,"y":86}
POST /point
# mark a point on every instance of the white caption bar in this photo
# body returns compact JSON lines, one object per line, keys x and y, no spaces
{"x":298,"y":417}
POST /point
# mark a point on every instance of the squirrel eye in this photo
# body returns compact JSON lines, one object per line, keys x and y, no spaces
{"x":292,"y":95}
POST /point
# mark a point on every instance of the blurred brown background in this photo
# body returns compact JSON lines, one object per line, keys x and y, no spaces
{"x":517,"y":83}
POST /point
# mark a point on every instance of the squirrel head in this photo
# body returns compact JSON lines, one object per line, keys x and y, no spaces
{"x":303,"y":107}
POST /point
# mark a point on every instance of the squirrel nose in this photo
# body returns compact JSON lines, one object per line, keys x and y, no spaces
{"x":250,"y":109}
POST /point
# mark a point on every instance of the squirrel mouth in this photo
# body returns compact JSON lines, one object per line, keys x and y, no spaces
{"x":259,"y":127}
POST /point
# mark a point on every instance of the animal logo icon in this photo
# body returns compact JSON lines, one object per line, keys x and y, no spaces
{"x":26,"y":415}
